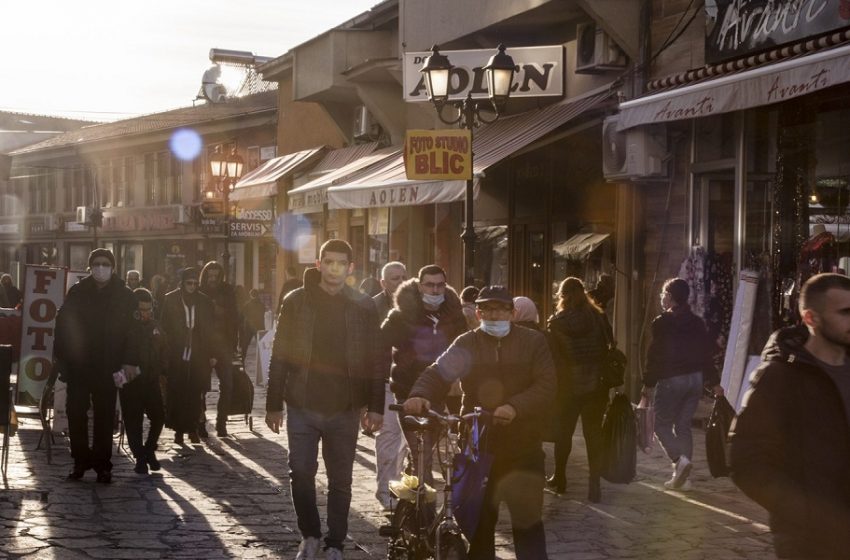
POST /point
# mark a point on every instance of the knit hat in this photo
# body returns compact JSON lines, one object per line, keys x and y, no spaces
{"x":101,"y":252}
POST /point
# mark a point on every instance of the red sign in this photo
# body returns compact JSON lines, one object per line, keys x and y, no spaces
{"x":44,"y":292}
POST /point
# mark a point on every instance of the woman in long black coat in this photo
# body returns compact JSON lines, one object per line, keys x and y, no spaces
{"x":577,"y":338}
{"x":187,"y":318}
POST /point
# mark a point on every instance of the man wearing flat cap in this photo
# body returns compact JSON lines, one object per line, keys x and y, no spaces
{"x":95,"y":352}
{"x":507,"y":370}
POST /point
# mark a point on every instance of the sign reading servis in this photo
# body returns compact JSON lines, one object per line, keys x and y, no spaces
{"x":540,"y":73}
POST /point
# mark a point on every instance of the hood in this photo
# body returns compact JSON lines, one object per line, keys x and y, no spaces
{"x":409,"y":301}
{"x":312,"y":277}
{"x":786,"y":345}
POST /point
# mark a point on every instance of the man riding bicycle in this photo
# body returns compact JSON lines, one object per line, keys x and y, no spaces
{"x":507,"y":369}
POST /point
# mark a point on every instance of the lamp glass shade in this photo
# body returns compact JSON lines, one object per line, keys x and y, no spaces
{"x":235,"y":166}
{"x":437,"y":70}
{"x":500,"y":75}
{"x":218,"y":165}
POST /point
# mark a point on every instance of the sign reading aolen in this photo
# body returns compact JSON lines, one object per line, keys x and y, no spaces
{"x":44,"y":292}
{"x":438,"y":155}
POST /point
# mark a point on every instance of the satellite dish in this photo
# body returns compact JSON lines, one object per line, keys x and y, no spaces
{"x":216,"y":90}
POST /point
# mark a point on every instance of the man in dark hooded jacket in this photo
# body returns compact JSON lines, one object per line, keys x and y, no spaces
{"x":790,"y":448}
{"x":94,"y":348}
{"x":427,"y":317}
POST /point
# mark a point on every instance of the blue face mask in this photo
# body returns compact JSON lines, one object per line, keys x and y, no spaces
{"x":498,"y":329}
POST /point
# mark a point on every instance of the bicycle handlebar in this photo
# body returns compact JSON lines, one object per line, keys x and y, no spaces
{"x":446,"y":418}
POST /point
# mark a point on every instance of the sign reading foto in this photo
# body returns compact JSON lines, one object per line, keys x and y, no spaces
{"x":44,"y":292}
{"x":438,"y":155}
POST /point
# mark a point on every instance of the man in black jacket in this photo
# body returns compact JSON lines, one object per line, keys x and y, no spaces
{"x":790,"y":447}
{"x":508,"y":370}
{"x":225,"y":333}
{"x":94,"y":349}
{"x":328,"y":365}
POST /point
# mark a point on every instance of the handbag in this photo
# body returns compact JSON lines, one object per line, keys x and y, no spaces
{"x":619,"y":436}
{"x":717,"y":436}
{"x":612,"y":367}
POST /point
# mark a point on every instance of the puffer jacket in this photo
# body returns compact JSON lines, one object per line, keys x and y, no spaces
{"x":516,"y":369}
{"x":415,"y":339}
{"x":367,"y":358}
{"x":577,"y":342}
{"x":94,"y":331}
{"x":790,"y":450}
{"x":680,"y":345}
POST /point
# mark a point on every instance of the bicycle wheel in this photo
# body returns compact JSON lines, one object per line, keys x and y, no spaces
{"x":405,"y":544}
{"x":452,"y":547}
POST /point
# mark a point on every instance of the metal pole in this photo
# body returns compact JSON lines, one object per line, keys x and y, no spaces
{"x":469,"y":237}
{"x":226,"y":255}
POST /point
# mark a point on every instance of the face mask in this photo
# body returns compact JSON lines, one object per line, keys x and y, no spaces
{"x":433,"y":301}
{"x":498,"y":329}
{"x":101,"y":273}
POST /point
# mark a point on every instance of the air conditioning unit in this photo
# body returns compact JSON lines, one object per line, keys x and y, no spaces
{"x":184,"y":215}
{"x":596,"y":52}
{"x":365,"y":126}
{"x":83,"y":215}
{"x":636,"y":153}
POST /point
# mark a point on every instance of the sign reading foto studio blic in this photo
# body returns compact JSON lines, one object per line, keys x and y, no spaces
{"x":438,"y":155}
{"x":540,"y":72}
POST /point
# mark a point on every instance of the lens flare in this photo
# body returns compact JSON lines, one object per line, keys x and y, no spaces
{"x":186,"y":144}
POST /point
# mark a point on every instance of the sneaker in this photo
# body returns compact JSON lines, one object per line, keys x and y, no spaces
{"x":685,"y":487}
{"x":308,"y":548}
{"x":332,"y":553}
{"x":681,"y":471}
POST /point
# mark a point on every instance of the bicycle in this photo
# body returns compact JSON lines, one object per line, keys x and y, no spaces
{"x":415,"y":531}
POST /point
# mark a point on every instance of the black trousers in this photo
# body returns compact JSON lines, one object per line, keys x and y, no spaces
{"x":224,"y":371}
{"x":100,"y":394}
{"x":137,"y":399}
{"x":591,"y":409}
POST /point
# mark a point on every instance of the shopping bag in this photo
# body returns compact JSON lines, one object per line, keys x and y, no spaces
{"x":645,"y":418}
{"x":619,"y":441}
{"x":716,"y":436}
{"x":470,"y":473}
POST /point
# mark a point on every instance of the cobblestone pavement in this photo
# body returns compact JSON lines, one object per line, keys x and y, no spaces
{"x":229,"y":498}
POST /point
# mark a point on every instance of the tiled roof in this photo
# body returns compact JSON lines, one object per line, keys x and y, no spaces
{"x":176,"y":118}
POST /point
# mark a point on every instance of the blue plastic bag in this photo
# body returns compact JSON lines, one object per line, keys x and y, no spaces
{"x":471,"y":471}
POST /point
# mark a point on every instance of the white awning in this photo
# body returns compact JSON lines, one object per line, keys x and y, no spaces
{"x":386,"y":184}
{"x":262,"y":181}
{"x":752,"y":88}
{"x":580,"y":245}
{"x":312,"y":196}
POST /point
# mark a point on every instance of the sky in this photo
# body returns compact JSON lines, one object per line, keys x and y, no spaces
{"x":111,"y":59}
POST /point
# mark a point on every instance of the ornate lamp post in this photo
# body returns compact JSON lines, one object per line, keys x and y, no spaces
{"x":226,"y":169}
{"x":499,"y":73}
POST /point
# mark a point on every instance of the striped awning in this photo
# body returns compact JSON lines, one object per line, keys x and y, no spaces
{"x":387,"y":184}
{"x":262,"y":181}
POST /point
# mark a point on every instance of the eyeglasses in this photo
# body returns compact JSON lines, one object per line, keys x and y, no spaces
{"x":191,"y":282}
{"x":434,"y":285}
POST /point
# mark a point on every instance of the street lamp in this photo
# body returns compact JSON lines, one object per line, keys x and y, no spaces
{"x":226,"y":169}
{"x":499,"y":73}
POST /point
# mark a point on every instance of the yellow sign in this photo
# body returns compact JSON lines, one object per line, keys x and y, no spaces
{"x":438,"y":155}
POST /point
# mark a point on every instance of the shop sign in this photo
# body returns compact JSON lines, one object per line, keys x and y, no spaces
{"x":212,"y":224}
{"x":9,"y":228}
{"x":735,"y":28}
{"x":306,"y":245}
{"x":255,"y":215}
{"x":308,"y":202}
{"x":540,"y":73}
{"x":436,"y":155}
{"x":73,"y":227}
{"x":243,"y":229}
{"x":140,"y":220}
{"x":44,"y":292}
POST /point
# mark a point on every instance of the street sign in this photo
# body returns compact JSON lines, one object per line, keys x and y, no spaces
{"x":245,"y":229}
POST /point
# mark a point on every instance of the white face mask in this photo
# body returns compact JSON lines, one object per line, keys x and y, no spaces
{"x":498,"y":329}
{"x":101,"y":273}
{"x":433,"y":300}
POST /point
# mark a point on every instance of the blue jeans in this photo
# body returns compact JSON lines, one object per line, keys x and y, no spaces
{"x":676,"y":401}
{"x":338,"y":435}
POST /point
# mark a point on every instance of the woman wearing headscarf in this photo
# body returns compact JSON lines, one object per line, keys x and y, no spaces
{"x":525,"y":313}
{"x":578,"y":340}
{"x":187,"y":317}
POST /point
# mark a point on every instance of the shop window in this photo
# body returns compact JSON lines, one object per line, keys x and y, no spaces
{"x":715,"y":137}
{"x":119,"y":188}
{"x":176,"y":180}
{"x":150,"y":179}
{"x":491,"y":256}
{"x":129,"y":180}
{"x":162,"y":176}
{"x":378,"y":240}
{"x":532,"y":179}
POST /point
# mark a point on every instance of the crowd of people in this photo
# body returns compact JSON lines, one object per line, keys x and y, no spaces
{"x":342,"y":355}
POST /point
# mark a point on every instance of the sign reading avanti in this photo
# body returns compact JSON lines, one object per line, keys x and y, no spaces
{"x":540,"y":72}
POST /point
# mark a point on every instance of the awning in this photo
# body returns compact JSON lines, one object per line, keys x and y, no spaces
{"x":262,"y":181}
{"x":752,"y":88}
{"x":387,"y":184}
{"x":580,"y":245}
{"x":311,"y":196}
